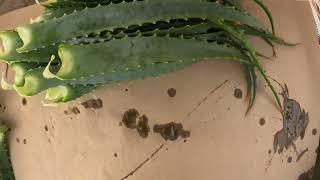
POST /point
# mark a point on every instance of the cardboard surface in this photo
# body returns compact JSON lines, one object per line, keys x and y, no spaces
{"x":224,"y":144}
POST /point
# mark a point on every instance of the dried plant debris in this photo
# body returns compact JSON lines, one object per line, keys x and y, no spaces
{"x":143,"y":126}
{"x":301,"y":154}
{"x":129,"y":118}
{"x":171,"y":131}
{"x":295,"y":122}
{"x":93,"y":104}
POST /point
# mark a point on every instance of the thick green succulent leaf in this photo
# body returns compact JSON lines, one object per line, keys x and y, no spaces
{"x":265,"y":35}
{"x":6,"y":171}
{"x":127,"y":53}
{"x":123,"y":15}
{"x":268,"y":13}
{"x":53,"y":13}
{"x":11,"y":41}
{"x":237,"y":4}
{"x":252,"y":86}
{"x":66,"y":93}
{"x":71,"y":3}
{"x":20,"y":68}
{"x":30,"y":81}
{"x":240,"y":36}
{"x":79,"y":87}
{"x":33,"y":83}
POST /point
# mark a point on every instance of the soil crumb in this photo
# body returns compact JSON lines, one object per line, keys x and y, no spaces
{"x":46,"y":128}
{"x":18,"y":140}
{"x":262,"y":121}
{"x":24,"y":141}
{"x":115,"y":155}
{"x":269,"y":152}
{"x":24,"y":101}
{"x":143,"y":126}
{"x":314,"y":132}
{"x":238,"y":93}
{"x":171,"y":131}
{"x":75,"y":110}
{"x":295,"y":122}
{"x":93,"y":104}
{"x":129,"y":118}
{"x":289,"y":159}
{"x":172,"y":92}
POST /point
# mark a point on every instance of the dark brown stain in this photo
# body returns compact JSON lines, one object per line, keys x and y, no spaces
{"x":289,"y":159}
{"x":262,"y":121}
{"x":314,"y":132}
{"x":143,"y":126}
{"x":18,"y":140}
{"x":185,"y":141}
{"x":115,"y":155}
{"x":46,"y":128}
{"x":2,"y":107}
{"x":24,"y":101}
{"x":24,"y":141}
{"x":229,"y":109}
{"x":167,"y":149}
{"x":307,"y":175}
{"x":238,"y":93}
{"x":295,"y":122}
{"x":129,"y":118}
{"x":126,"y":89}
{"x":93,"y":104}
{"x":66,"y":112}
{"x":301,"y":154}
{"x":171,"y":131}
{"x":172,"y":92}
{"x":269,"y":152}
{"x":75,"y":110}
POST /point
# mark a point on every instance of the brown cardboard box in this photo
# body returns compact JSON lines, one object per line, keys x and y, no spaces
{"x":47,"y":143}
